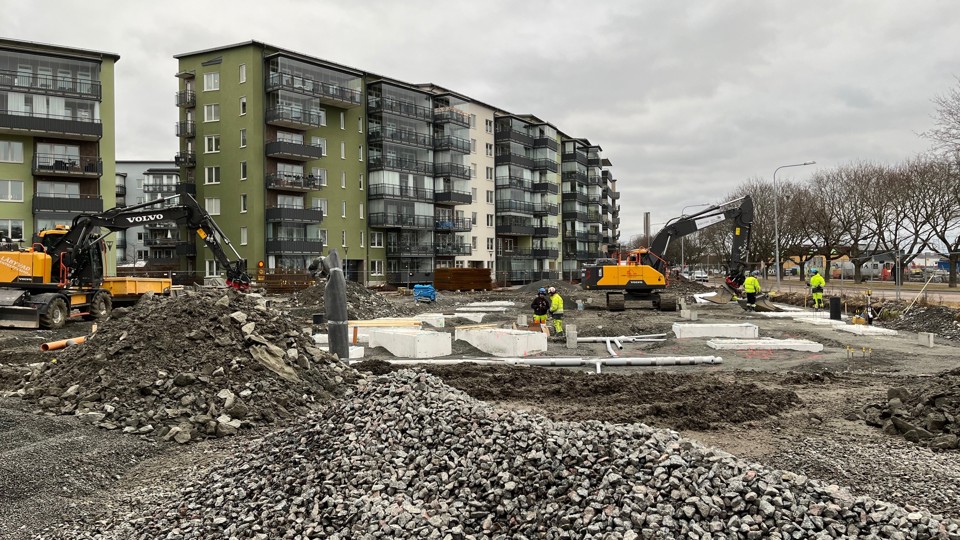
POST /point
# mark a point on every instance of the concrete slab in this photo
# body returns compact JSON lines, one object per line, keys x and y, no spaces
{"x":742,"y":330}
{"x":433,"y":319}
{"x":503,"y":342}
{"x":411,"y":343}
{"x":794,"y":314}
{"x":765,"y":344}
{"x":820,"y":322}
{"x":356,"y":353}
{"x":925,"y":338}
{"x":864,"y":330}
{"x":470,"y":316}
{"x":483,"y":309}
{"x":499,"y":303}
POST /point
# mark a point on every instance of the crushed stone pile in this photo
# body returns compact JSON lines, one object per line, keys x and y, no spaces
{"x":362,"y":303}
{"x":205,"y":364}
{"x":941,"y":320}
{"x":681,"y":286}
{"x":406,"y":456}
{"x":927,"y":414}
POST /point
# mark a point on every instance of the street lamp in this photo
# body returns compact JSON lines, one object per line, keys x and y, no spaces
{"x":776,"y":218}
{"x":683,"y":213}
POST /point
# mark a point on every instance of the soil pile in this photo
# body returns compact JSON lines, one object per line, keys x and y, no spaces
{"x":924,"y":414}
{"x":205,"y":364}
{"x":563,"y":287}
{"x":681,"y":286}
{"x":406,"y":456}
{"x":362,"y":303}
{"x":941,"y":320}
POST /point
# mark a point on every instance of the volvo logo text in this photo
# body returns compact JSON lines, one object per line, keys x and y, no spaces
{"x":141,"y":219}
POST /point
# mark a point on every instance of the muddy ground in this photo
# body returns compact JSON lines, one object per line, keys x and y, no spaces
{"x":792,"y":410}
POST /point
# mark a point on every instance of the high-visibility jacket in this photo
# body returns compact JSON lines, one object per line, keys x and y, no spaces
{"x":817,"y":280}
{"x":751,"y":284}
{"x":556,"y":303}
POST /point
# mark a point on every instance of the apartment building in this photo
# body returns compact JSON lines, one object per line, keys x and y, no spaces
{"x":159,"y":247}
{"x":57,"y":136}
{"x":294,"y":155}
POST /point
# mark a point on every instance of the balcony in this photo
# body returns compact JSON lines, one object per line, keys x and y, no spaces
{"x":575,"y":176}
{"x":157,"y":187}
{"x":379,"y":104}
{"x":387,"y":191}
{"x":546,"y":232}
{"x":593,"y":236}
{"x":453,"y":250}
{"x":515,"y":229}
{"x":186,"y":99}
{"x":451,"y":170}
{"x":545,"y":209}
{"x":546,"y":187}
{"x":33,"y":83}
{"x":293,"y":182}
{"x":161,"y":242}
{"x":294,"y":246}
{"x":40,"y":124}
{"x":574,"y":196}
{"x":594,"y":161}
{"x":165,"y":225}
{"x":67,"y":166}
{"x":406,"y":137}
{"x":615,"y":222}
{"x":77,"y":203}
{"x":293,"y":117}
{"x":121,"y":241}
{"x":545,"y":253}
{"x":393,"y":220}
{"x":594,"y":180}
{"x":452,"y":197}
{"x":453,"y":224}
{"x":512,"y":135}
{"x":451,"y":143}
{"x":185,"y":159}
{"x":515,"y":254}
{"x":121,"y":190}
{"x":545,"y":165}
{"x":578,"y":157}
{"x":593,"y":217}
{"x":409,"y":278}
{"x":514,"y":159}
{"x":186,"y":249}
{"x":293,"y":151}
{"x":517,"y":207}
{"x":573,"y":215}
{"x":186,"y":129}
{"x":394,"y":163}
{"x":545,"y":142}
{"x":451,"y":115}
{"x":514,"y":182}
{"x":614,"y":195}
{"x":289,"y":214}
{"x":327,"y":93}
{"x":409,"y":250}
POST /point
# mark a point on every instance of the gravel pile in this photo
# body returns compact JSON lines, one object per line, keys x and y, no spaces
{"x":407,"y":457}
{"x":206,"y":364}
{"x":562,"y":287}
{"x":362,"y":303}
{"x":926,"y":414}
{"x":941,"y":320}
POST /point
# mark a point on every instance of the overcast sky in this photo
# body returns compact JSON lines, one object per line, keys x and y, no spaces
{"x":687,"y":99}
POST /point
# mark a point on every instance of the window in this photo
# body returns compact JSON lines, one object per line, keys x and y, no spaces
{"x":489,"y":244}
{"x":343,"y":209}
{"x":489,"y":173}
{"x":361,"y":181}
{"x":211,"y":112}
{"x":473,"y":194}
{"x":489,"y":150}
{"x":142,"y":254}
{"x":343,"y":120}
{"x":488,"y":124}
{"x":473,"y":146}
{"x":343,"y":238}
{"x":211,"y":267}
{"x":360,"y":152}
{"x":211,"y":175}
{"x":320,"y":143}
{"x":322,"y":234}
{"x":360,"y":124}
{"x":139,"y":237}
{"x":473,"y":121}
{"x":343,"y":180}
{"x":11,"y":151}
{"x":320,"y":204}
{"x":473,"y":218}
{"x":243,"y":170}
{"x":212,"y":206}
{"x":243,"y":73}
{"x":11,"y":191}
{"x":243,"y":105}
{"x":243,"y":137}
{"x":361,"y":238}
{"x":11,"y":228}
{"x":320,"y":175}
{"x":473,"y":170}
{"x":376,"y":268}
{"x":243,"y":236}
{"x":361,"y":210}
{"x":489,"y":220}
{"x":243,"y":203}
{"x":490,"y":196}
{"x":376,"y":239}
{"x":211,"y":144}
{"x":473,"y":242}
{"x":211,"y":81}
{"x":343,"y":150}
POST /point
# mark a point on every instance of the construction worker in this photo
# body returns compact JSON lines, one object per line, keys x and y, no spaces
{"x":816,"y":287}
{"x":540,"y":306}
{"x":556,"y":311}
{"x":751,"y":286}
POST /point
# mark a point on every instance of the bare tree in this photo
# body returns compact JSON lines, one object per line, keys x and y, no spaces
{"x":852,"y":184}
{"x":761,"y":248}
{"x":943,"y":178}
{"x":946,"y":131}
{"x":822,"y":232}
{"x":792,"y":203}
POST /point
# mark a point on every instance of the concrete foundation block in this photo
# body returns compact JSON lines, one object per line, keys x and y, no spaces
{"x":503,"y":304}
{"x":410,"y":343}
{"x":742,"y":331}
{"x":688,"y":314}
{"x":820,"y":322}
{"x":765,"y":344}
{"x":522,"y":321}
{"x":864,"y":330}
{"x":356,"y":353}
{"x":571,"y":331}
{"x":482,"y":309}
{"x":503,"y":342}
{"x":925,"y":338}
{"x":470,"y":316}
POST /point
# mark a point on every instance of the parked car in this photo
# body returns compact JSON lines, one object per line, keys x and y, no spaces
{"x":700,"y":275}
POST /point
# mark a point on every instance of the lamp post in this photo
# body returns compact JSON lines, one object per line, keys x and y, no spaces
{"x":776,"y":218}
{"x":683,"y":213}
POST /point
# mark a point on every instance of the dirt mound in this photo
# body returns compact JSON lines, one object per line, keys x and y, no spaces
{"x":941,"y":320}
{"x":926,"y":414}
{"x":204,"y":364}
{"x":362,"y":303}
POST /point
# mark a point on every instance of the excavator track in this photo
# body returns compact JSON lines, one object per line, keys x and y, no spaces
{"x":615,"y":301}
{"x":667,"y":303}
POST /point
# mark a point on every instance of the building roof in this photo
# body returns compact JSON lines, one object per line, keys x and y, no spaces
{"x":60,"y":50}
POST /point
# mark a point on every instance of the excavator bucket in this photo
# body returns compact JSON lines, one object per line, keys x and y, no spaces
{"x":723,"y":296}
{"x":14,"y":316}
{"x":764,"y":305}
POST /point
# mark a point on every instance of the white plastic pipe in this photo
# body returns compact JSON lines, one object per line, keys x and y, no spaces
{"x":564,"y":361}
{"x":610,"y":348}
{"x":627,"y":339}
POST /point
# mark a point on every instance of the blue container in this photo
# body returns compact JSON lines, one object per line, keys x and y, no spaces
{"x":424,"y":293}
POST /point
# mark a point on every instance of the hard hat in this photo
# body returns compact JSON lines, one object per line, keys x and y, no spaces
{"x":552,"y":290}
{"x":813,"y":271}
{"x":756,"y":273}
{"x":541,"y":291}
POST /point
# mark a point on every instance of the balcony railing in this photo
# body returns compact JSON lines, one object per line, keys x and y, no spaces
{"x":293,"y":182}
{"x":514,"y":182}
{"x":453,"y":250}
{"x":331,"y":94}
{"x":546,"y":232}
{"x":545,"y":142}
{"x":43,"y":202}
{"x":294,"y":246}
{"x":186,"y":129}
{"x":401,"y":164}
{"x":293,"y":117}
{"x":36,"y":124}
{"x":160,"y":242}
{"x":387,"y":191}
{"x":545,"y":165}
{"x":593,"y":217}
{"x":293,"y":150}
{"x":289,"y":214}
{"x":186,"y":98}
{"x":409,"y":278}
{"x":545,"y":253}
{"x":515,"y":229}
{"x":453,"y":224}
{"x":451,"y":143}
{"x":452,"y":170}
{"x":514,"y":136}
{"x":393,"y":220}
{"x":578,"y":156}
{"x":546,"y":187}
{"x":410,"y":250}
{"x":67,"y":165}
{"x":516,"y":253}
{"x":185,"y":159}
{"x":402,"y":136}
{"x":594,"y":180}
{"x":33,"y":83}
{"x":443,"y":115}
{"x":380,"y":104}
{"x":575,"y":176}
{"x":574,"y":215}
{"x":157,"y":187}
{"x":546,"y":209}
{"x":514,"y":159}
{"x":121,"y":190}
{"x":574,"y":196}
{"x":520,"y":207}
{"x":452,"y":197}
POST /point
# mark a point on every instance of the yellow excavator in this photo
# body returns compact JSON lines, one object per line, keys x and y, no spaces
{"x":62,"y":273}
{"x":642,"y":275}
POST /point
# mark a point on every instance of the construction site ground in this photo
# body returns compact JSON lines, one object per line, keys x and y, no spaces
{"x":790,"y":410}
